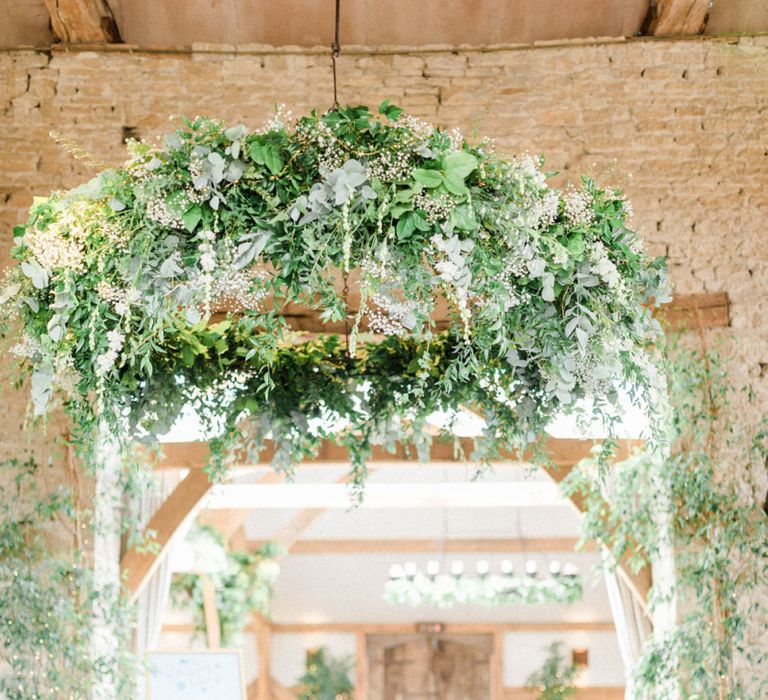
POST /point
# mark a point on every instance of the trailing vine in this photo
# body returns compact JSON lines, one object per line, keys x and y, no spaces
{"x":173,"y":282}
{"x":51,"y":609}
{"x":709,"y":495}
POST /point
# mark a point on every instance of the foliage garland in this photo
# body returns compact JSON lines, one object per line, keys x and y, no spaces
{"x":50,"y":606}
{"x":549,"y":291}
{"x":709,"y":491}
{"x":327,"y":677}
{"x":555,"y":679}
{"x":490,"y":591}
{"x":243,"y":583}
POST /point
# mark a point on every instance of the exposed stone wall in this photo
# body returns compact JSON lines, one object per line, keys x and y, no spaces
{"x":682,"y":125}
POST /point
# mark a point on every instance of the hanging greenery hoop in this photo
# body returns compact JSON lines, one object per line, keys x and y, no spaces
{"x":442,"y":275}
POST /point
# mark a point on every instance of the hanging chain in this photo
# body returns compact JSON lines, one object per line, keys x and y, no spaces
{"x":335,"y":51}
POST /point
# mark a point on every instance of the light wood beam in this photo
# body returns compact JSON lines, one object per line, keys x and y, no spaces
{"x":677,"y":17}
{"x":82,"y":21}
{"x":361,"y":666}
{"x":173,"y":514}
{"x":427,"y":546}
{"x":563,"y":452}
{"x":211,"y":614}
{"x":404,"y":628}
{"x":263,"y":630}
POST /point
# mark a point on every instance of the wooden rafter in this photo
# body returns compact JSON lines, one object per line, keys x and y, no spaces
{"x":405,"y":628}
{"x":425,"y":546}
{"x":174,"y":513}
{"x":677,"y":17}
{"x":82,"y":21}
{"x":563,"y":453}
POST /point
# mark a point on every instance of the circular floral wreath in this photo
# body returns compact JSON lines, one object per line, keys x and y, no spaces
{"x":173,"y":281}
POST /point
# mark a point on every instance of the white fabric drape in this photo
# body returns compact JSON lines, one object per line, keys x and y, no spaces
{"x":632,"y":625}
{"x":153,"y":600}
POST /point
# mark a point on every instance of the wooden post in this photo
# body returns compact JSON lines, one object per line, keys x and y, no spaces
{"x":264,"y":651}
{"x":361,"y":667}
{"x":212,"y":622}
{"x":497,"y":667}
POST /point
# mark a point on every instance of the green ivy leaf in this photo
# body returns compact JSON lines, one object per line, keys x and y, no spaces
{"x":192,"y":217}
{"x":428,"y":178}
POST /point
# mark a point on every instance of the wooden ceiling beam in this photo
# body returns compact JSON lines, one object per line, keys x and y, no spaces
{"x":677,"y":17}
{"x":82,"y":21}
{"x":563,"y":453}
{"x":405,"y":628}
{"x":708,"y":309}
{"x":430,"y":546}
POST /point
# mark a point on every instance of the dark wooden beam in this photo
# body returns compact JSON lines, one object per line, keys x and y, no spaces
{"x":677,"y":17}
{"x":82,"y":21}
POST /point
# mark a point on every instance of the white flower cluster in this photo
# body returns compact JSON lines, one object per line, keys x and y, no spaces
{"x":436,"y":208}
{"x":166,"y":214}
{"x":332,"y":156}
{"x":159,"y":211}
{"x":55,"y":250}
{"x":393,"y":316}
{"x":115,"y":234}
{"x":207,"y":260}
{"x":421,"y":129}
{"x":541,"y":212}
{"x":578,"y":207}
{"x":120,"y":298}
{"x":235,"y":289}
{"x":603,"y":267}
{"x":391,"y":165}
{"x":29,"y":348}
{"x":456,"y":138}
{"x":525,"y":166}
{"x":281,"y":119}
{"x":515,"y":294}
{"x":108,"y":360}
{"x":65,"y":376}
{"x":454,"y":271}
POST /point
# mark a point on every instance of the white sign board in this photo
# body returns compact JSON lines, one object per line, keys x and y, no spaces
{"x":211,"y":674}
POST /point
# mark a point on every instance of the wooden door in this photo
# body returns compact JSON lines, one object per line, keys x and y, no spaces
{"x":448,"y":667}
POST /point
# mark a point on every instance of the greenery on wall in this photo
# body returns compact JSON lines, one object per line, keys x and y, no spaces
{"x":555,"y":679}
{"x":705,"y":501}
{"x":51,"y":610}
{"x":327,"y":677}
{"x":549,"y":292}
{"x":243,"y":583}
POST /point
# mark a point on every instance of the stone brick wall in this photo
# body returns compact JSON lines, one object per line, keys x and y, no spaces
{"x":682,"y":125}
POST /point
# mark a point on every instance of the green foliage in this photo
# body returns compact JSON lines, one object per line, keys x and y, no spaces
{"x":327,"y":677}
{"x":445,"y":591}
{"x":50,"y":607}
{"x":243,"y":584}
{"x":555,"y":679}
{"x":704,"y":502}
{"x":119,"y":281}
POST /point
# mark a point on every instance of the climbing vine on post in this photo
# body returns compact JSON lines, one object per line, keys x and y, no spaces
{"x":711,"y":489}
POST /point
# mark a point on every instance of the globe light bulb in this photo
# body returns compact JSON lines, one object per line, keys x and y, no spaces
{"x":433,"y":568}
{"x":410,"y":570}
{"x":483,"y":568}
{"x":570,"y":569}
{"x":457,"y":568}
{"x":531,"y":567}
{"x":396,"y":572}
{"x":554,"y":568}
{"x":506,"y":567}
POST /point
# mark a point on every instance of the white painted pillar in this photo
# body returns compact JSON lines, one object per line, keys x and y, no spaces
{"x":107,"y":510}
